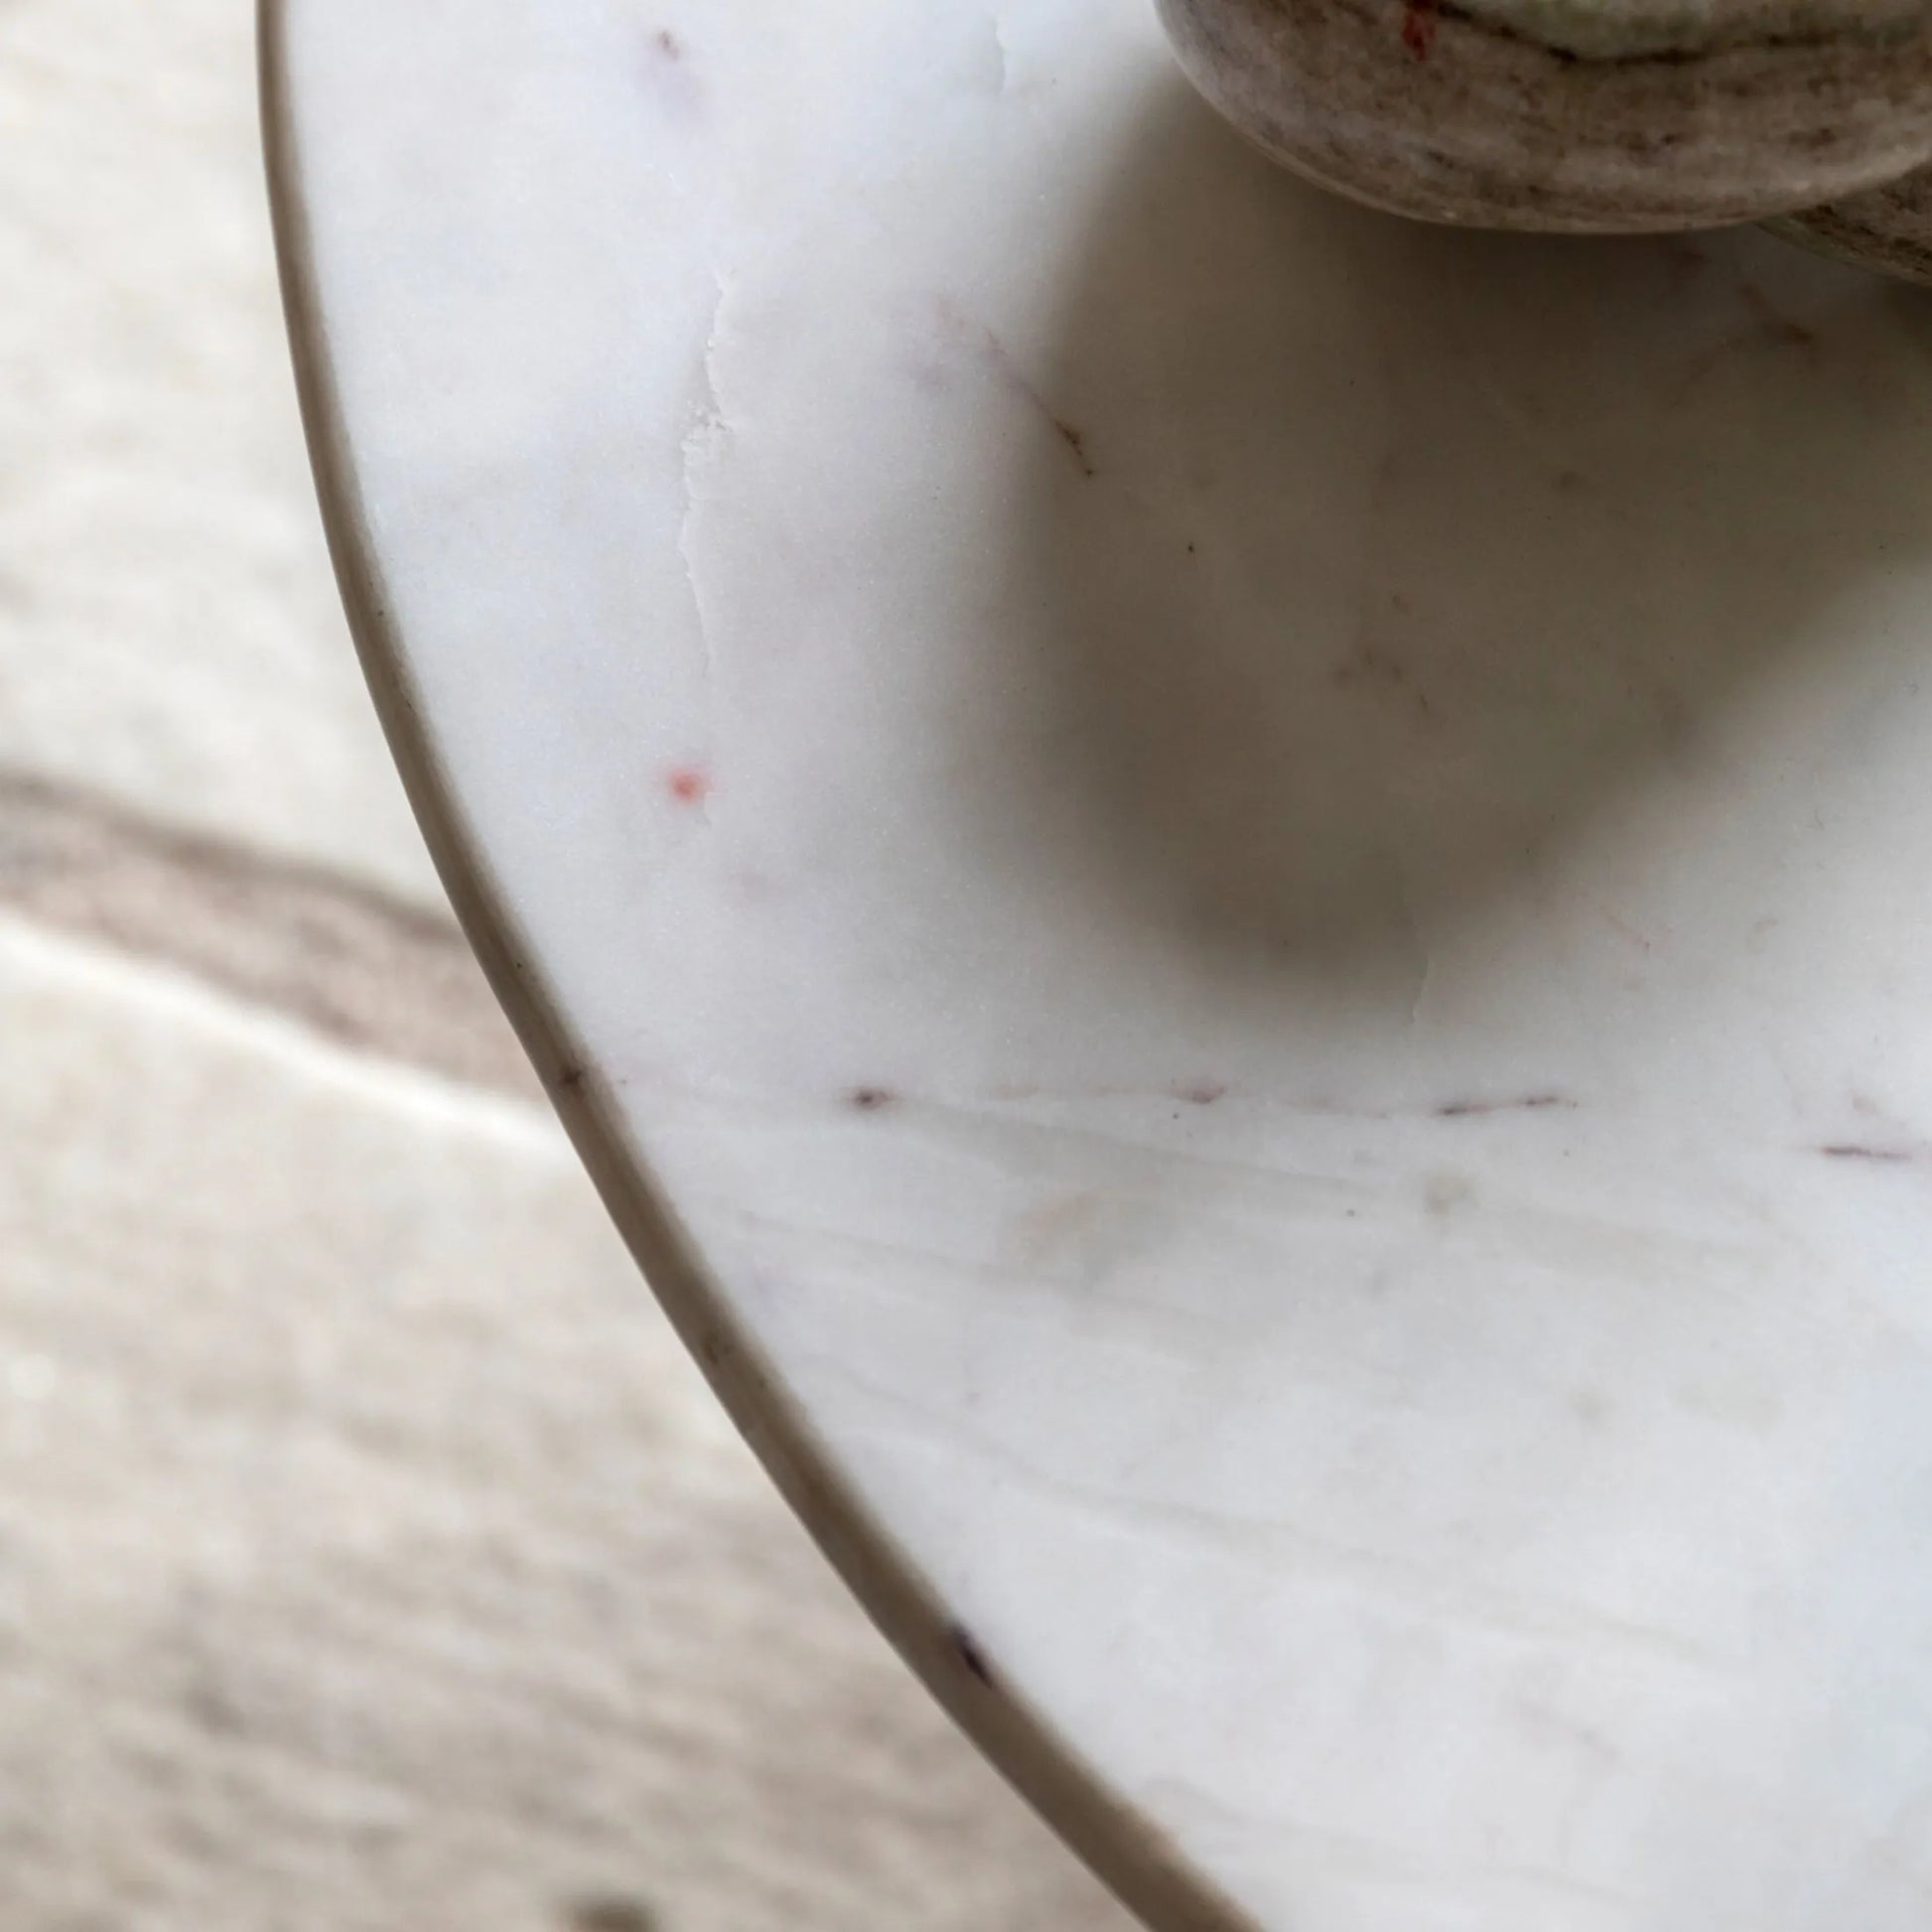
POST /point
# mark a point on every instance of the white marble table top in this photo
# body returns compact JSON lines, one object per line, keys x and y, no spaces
{"x":1233,"y":896}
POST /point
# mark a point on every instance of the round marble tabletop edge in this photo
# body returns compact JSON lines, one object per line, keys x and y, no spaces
{"x":1125,"y":1849}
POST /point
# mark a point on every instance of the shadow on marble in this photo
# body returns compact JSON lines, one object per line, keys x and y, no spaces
{"x":1370,"y":567}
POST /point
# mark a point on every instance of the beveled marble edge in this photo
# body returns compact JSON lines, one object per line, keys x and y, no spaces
{"x":1125,"y":1849}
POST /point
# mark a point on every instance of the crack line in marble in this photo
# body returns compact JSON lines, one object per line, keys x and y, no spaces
{"x":1004,"y":50}
{"x":701,"y":448}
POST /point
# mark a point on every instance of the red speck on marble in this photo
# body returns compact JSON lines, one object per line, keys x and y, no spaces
{"x":1420,"y":20}
{"x":689,"y":784}
{"x":668,"y":45}
{"x":1201,"y":1093}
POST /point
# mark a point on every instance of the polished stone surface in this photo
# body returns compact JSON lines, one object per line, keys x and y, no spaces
{"x":1248,"y":879}
{"x":1887,"y":228}
{"x":373,"y":1558}
{"x":1605,"y":116}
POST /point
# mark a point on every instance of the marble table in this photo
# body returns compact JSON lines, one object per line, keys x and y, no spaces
{"x":1233,"y":898}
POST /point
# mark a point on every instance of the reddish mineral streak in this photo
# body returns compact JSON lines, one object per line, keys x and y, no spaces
{"x":1420,"y":20}
{"x":1529,"y":1103}
{"x":1201,"y":1093}
{"x":1074,"y":441}
{"x":687,"y":784}
{"x":1001,"y":361}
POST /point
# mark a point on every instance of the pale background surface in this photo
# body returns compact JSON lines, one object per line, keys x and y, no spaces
{"x":369,"y":1556}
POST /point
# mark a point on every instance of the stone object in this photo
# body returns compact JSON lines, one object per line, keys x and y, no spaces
{"x":1585,"y":115}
